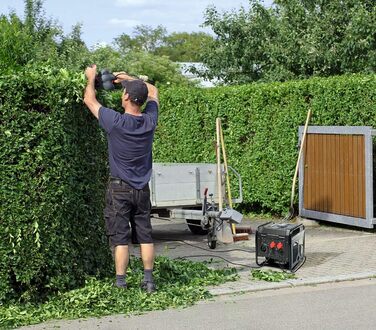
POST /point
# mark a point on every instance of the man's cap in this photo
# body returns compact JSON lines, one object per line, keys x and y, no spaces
{"x":137,"y":90}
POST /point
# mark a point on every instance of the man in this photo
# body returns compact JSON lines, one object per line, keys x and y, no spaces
{"x":130,"y":137}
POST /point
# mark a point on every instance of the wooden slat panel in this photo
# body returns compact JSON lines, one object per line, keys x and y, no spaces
{"x":334,"y":174}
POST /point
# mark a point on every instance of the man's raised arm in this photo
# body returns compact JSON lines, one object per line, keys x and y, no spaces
{"x":90,"y":98}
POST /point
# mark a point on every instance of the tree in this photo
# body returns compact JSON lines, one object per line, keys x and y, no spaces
{"x":125,"y":43}
{"x":159,"y":69}
{"x":32,"y":39}
{"x":178,"y":46}
{"x":145,"y":38}
{"x":72,"y":50}
{"x":15,"y":43}
{"x":106,"y":57}
{"x":184,"y":46}
{"x":37,"y":39}
{"x":43,"y":31}
{"x":293,"y":39}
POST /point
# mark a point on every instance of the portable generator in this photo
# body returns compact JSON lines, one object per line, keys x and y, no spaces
{"x":281,"y":244}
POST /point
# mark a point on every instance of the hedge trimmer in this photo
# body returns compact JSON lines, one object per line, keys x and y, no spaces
{"x":105,"y":79}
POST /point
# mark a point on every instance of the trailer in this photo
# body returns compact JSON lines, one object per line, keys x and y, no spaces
{"x":189,"y":192}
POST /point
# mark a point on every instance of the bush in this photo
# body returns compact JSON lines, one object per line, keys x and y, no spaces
{"x":52,"y":177}
{"x":260,"y":124}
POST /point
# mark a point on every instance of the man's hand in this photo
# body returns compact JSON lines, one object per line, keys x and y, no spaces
{"x":120,"y":76}
{"x":91,"y":72}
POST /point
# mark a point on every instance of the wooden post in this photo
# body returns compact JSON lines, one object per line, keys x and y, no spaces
{"x":219,"y":170}
{"x":225,"y":234}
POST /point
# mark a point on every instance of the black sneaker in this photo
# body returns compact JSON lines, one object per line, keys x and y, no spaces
{"x":149,"y":287}
{"x":120,"y":286}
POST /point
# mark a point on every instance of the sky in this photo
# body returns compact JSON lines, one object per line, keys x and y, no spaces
{"x":104,"y":20}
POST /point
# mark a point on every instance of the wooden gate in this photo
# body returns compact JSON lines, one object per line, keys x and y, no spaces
{"x":336,"y":175}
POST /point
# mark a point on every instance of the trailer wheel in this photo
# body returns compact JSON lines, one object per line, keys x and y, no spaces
{"x":212,"y":242}
{"x":195,"y":227}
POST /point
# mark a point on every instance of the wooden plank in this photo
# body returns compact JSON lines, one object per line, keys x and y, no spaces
{"x":345,"y":175}
{"x":307,"y":185}
{"x":356,"y":205}
{"x":362,"y":178}
{"x":326,"y":174}
{"x":308,"y":165}
{"x":332,"y":191}
{"x":317,"y":172}
{"x":339,"y":166}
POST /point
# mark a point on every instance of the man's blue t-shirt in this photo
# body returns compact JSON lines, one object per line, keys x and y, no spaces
{"x":130,"y":140}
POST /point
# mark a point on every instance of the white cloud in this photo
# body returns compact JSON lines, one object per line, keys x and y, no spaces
{"x":126,"y":23}
{"x":176,"y":16}
{"x":183,"y":6}
{"x":134,"y":3}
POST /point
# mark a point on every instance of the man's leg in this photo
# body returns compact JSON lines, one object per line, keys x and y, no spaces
{"x":144,"y":236}
{"x":121,"y":264}
{"x":117,"y":213}
{"x":121,"y":259}
{"x":147,"y":255}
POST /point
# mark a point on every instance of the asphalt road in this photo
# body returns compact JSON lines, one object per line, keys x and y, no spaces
{"x":344,"y":305}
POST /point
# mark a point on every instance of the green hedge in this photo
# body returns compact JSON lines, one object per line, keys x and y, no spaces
{"x":53,"y":160}
{"x":260,"y":123}
{"x":53,"y":169}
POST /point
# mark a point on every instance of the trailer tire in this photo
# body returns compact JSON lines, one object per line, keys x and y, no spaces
{"x":195,"y":228}
{"x":212,"y":244}
{"x":212,"y":241}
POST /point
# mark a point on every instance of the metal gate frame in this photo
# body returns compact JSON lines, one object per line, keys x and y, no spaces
{"x":369,"y":221}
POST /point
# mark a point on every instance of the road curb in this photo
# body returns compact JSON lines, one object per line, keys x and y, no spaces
{"x":259,"y":286}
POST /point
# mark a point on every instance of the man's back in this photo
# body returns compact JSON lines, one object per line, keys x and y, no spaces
{"x":130,"y":139}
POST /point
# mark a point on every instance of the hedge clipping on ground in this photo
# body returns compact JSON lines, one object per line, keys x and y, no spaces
{"x":180,"y":283}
